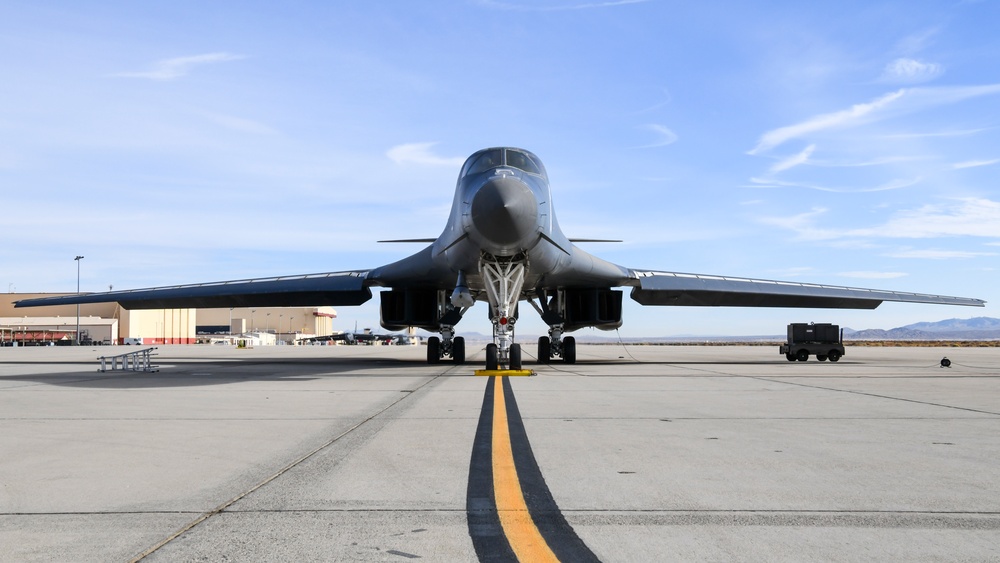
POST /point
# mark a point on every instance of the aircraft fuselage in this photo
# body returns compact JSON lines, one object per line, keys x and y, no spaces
{"x":503,"y":211}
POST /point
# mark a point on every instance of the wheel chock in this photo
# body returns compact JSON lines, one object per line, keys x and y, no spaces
{"x":511,"y":372}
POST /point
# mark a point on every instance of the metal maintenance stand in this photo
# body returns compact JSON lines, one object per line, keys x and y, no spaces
{"x":129,"y":361}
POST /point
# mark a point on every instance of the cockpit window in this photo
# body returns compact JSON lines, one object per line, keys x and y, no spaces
{"x":485,"y":161}
{"x":523,"y":161}
{"x":494,"y":158}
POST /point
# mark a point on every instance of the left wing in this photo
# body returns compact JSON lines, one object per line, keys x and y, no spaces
{"x":310,"y":290}
{"x":697,"y":290}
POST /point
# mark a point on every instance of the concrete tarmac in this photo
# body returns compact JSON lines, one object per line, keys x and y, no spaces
{"x":691,"y":453}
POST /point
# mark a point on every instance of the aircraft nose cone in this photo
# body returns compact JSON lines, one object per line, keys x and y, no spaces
{"x":504,"y":210}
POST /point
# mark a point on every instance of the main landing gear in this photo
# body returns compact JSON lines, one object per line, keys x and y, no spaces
{"x":555,"y":344}
{"x":453,"y":309}
{"x":447,"y":345}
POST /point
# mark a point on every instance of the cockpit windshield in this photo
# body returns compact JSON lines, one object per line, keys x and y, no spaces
{"x":485,"y":161}
{"x":524,"y":161}
{"x":494,"y":158}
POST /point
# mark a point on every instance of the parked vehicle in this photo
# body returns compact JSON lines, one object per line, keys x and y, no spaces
{"x":824,"y":340}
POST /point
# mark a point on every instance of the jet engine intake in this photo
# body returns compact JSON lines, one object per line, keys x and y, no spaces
{"x":416,"y":307}
{"x":599,"y":308}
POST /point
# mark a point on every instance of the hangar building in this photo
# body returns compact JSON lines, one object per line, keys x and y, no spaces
{"x":109,"y":323}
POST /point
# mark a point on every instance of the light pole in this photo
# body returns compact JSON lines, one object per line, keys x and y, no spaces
{"x":78,"y":258}
{"x":279,"y":327}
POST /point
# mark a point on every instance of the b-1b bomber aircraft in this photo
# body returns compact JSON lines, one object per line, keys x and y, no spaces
{"x":502,"y":244}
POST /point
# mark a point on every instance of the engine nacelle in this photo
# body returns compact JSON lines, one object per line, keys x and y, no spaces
{"x":598,"y":308}
{"x":416,"y":307}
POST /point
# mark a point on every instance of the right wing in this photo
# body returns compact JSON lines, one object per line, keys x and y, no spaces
{"x":694,"y":290}
{"x":310,"y":290}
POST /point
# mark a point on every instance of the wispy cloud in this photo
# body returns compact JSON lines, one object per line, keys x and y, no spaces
{"x":974,"y":163}
{"x":239,"y":124}
{"x":970,"y":217}
{"x":667,"y":98}
{"x":862,"y":163}
{"x":933,"y":254}
{"x":850,"y":116}
{"x":794,"y":160}
{"x":872,"y":275}
{"x":950,"y":133}
{"x":171,"y":69}
{"x":894,"y":184}
{"x":917,"y":42}
{"x":910,"y":71}
{"x":976,"y":217}
{"x":664,"y":136}
{"x":420,"y":153}
{"x":534,"y":7}
{"x":901,"y":101}
{"x":801,"y":222}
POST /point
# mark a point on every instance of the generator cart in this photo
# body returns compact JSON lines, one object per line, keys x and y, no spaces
{"x":824,"y":340}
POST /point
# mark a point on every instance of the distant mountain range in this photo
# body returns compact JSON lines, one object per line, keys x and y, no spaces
{"x":978,"y":328}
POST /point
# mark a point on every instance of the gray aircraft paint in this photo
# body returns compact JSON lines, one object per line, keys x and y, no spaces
{"x":503,"y":221}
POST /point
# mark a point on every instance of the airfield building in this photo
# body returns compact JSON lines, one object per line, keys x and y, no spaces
{"x":109,"y":323}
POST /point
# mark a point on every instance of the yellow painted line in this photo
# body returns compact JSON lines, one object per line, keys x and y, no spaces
{"x":492,"y":372}
{"x":521,"y":532}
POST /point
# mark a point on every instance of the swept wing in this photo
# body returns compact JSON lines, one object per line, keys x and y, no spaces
{"x":310,"y":290}
{"x":699,"y":290}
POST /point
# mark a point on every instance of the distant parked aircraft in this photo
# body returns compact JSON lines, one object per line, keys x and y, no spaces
{"x":360,"y":338}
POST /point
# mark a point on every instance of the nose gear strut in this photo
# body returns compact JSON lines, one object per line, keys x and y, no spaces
{"x":503,"y":279}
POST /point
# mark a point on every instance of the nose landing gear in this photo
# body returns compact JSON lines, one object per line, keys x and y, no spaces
{"x":503,"y":280}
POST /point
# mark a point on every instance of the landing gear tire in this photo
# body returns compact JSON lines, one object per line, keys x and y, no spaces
{"x":569,"y":350}
{"x":802,"y":356}
{"x":458,"y":350}
{"x":834,"y":355}
{"x":433,"y":350}
{"x":515,"y":356}
{"x":491,"y":357}
{"x":544,"y":349}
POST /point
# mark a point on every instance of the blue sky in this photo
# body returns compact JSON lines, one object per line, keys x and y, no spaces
{"x":848,"y":143}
